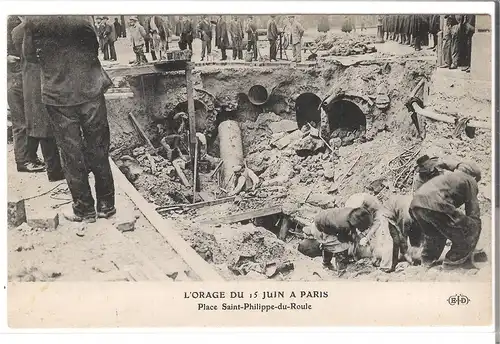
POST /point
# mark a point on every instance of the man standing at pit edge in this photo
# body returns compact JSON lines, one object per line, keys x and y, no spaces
{"x":272,"y":36}
{"x":297,"y":31}
{"x":73,"y":86}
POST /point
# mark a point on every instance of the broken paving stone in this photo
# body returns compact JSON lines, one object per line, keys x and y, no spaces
{"x":284,"y":125}
{"x":308,"y":145}
{"x":321,"y":200}
{"x":377,"y":186}
{"x":329,"y":170}
{"x":25,"y":247}
{"x":47,"y":220}
{"x":16,"y":211}
{"x":24,"y":227}
{"x":126,"y":224}
{"x":288,"y":139}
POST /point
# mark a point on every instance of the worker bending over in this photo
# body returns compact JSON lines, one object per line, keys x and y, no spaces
{"x":383,"y":240}
{"x":243,"y":178}
{"x":335,"y":230}
{"x":435,"y":208}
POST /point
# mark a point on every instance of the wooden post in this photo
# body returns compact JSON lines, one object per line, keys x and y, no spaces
{"x":190,"y":103}
{"x":192,"y":122}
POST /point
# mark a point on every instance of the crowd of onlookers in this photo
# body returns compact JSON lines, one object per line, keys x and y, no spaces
{"x":154,"y":35}
{"x":417,"y":29}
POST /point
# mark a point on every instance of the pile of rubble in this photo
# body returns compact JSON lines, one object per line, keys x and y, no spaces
{"x":334,"y":44}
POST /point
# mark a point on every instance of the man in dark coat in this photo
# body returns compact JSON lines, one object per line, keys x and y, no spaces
{"x":109,"y":39}
{"x":465,"y":32}
{"x":38,"y":128}
{"x":237,"y":34}
{"x":184,"y":29}
{"x":15,"y":99}
{"x":118,"y":28}
{"x":160,"y":32}
{"x":272,"y":36}
{"x":221,"y":36}
{"x":435,"y":207}
{"x":434,"y":23}
{"x":73,"y":86}
{"x":205,"y":34}
{"x":252,"y":37}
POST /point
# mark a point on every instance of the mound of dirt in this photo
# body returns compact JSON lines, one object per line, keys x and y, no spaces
{"x":344,"y":45}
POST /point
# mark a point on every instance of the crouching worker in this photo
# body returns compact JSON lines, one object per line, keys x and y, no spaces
{"x":335,"y":230}
{"x":435,"y":208}
{"x":243,"y":178}
{"x":383,"y":240}
{"x":428,"y":168}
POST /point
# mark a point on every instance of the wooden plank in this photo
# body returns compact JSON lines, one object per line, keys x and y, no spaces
{"x":143,"y":135}
{"x":205,"y":196}
{"x":147,"y":268}
{"x":448,"y":119}
{"x":200,"y":267}
{"x":248,"y":215}
{"x":198,"y":205}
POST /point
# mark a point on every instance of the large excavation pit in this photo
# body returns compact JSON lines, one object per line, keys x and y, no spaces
{"x":302,"y":169}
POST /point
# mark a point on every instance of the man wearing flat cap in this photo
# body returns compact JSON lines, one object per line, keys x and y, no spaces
{"x":435,"y":208}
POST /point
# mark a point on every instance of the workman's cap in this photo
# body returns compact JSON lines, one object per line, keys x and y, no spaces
{"x":471,"y":168}
{"x":237,"y":168}
{"x":134,"y":18}
{"x":180,"y":115}
{"x":98,"y":17}
{"x":105,"y":18}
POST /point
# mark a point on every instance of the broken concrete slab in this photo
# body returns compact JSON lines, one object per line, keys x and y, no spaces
{"x":16,"y":211}
{"x":284,"y":125}
{"x":288,"y":139}
{"x":47,"y":219}
{"x":126,"y":223}
{"x":329,"y":170}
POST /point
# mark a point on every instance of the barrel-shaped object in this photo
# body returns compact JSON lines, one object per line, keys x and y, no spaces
{"x":231,"y":147}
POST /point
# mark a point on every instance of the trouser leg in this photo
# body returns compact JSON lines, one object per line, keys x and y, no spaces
{"x":52,"y":159}
{"x":96,"y":134}
{"x":327,"y":257}
{"x":272,"y":50}
{"x":463,"y":232}
{"x":106,"y":51}
{"x":433,"y":239}
{"x":32,"y":148}
{"x":153,"y":54}
{"x":254,"y":50}
{"x":203,"y":49}
{"x":16,"y":104}
{"x":224,"y":56}
{"x":235,"y":51}
{"x":209,"y":46}
{"x":112,"y":51}
{"x":454,"y":51}
{"x":66,"y":124}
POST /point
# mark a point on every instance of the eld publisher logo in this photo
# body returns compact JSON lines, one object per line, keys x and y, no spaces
{"x":457,"y":300}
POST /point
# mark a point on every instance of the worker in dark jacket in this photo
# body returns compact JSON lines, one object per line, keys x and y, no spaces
{"x":205,"y":34}
{"x":335,"y":229}
{"x":184,"y":29}
{"x":237,"y":34}
{"x":24,"y":158}
{"x":118,"y":28}
{"x":109,"y":39}
{"x":434,"y":23}
{"x":73,"y":86}
{"x":272,"y":36}
{"x":221,"y":36}
{"x":435,"y":209}
{"x":38,"y":128}
{"x":252,"y":37}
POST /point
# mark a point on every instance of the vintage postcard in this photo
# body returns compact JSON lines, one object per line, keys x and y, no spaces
{"x":225,"y":168}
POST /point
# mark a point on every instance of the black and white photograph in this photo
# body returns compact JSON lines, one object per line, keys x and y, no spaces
{"x":250,"y":148}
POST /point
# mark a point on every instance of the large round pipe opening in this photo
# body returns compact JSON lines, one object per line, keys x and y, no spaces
{"x":346,"y":121}
{"x":307,"y":109}
{"x":258,"y":95}
{"x":200,"y":112}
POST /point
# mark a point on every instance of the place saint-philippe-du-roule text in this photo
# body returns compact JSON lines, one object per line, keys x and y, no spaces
{"x":252,"y":300}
